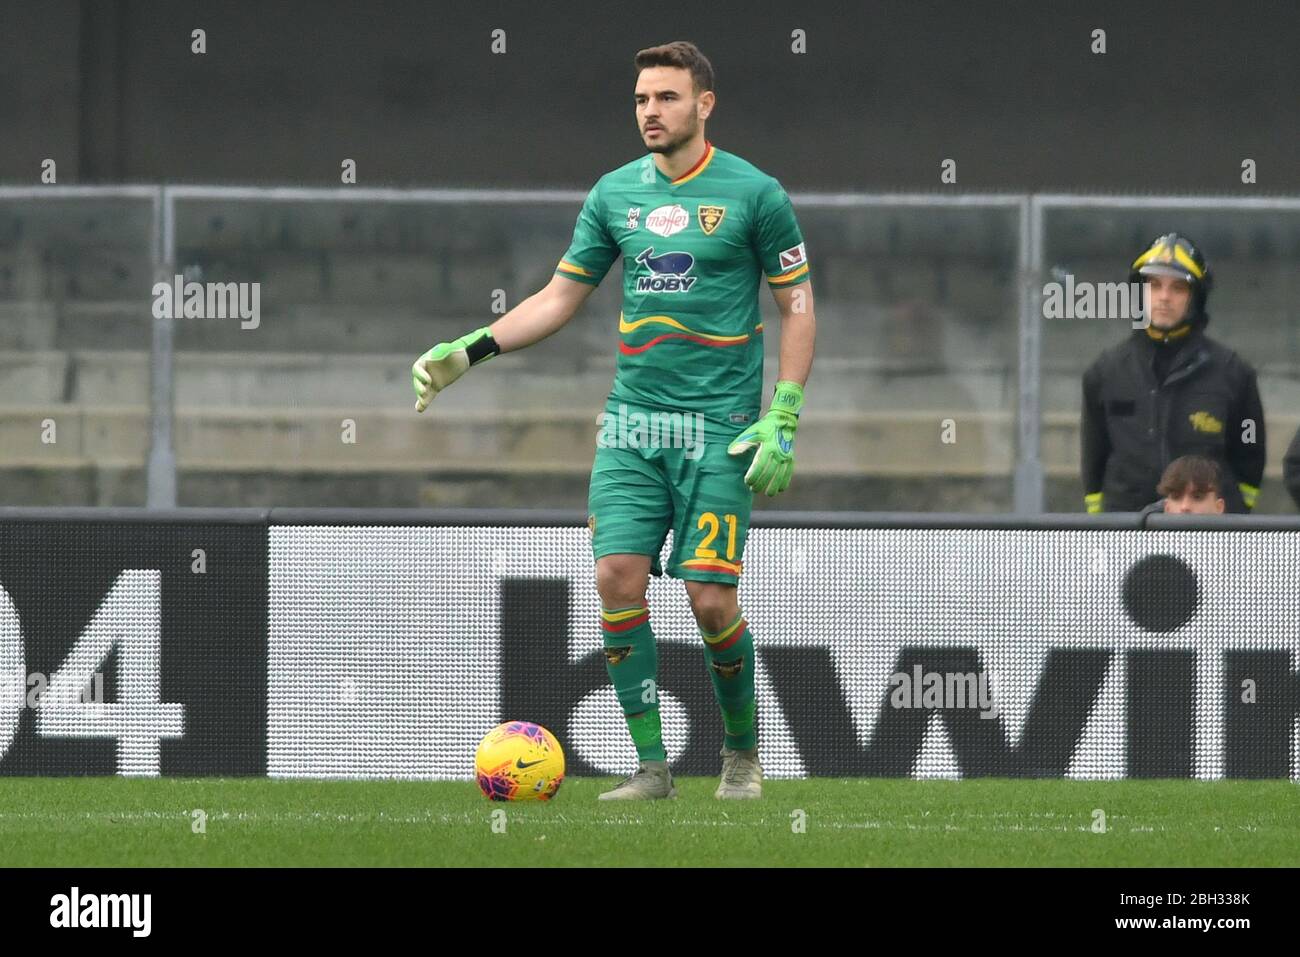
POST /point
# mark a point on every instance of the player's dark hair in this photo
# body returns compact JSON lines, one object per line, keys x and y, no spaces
{"x":682,"y":54}
{"x":1194,"y":472}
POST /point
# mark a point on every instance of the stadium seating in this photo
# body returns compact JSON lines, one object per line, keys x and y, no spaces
{"x":917,"y":318}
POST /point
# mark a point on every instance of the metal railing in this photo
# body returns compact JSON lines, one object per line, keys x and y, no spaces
{"x":1031,"y":212}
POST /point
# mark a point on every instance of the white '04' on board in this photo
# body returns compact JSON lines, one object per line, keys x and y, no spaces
{"x":128,"y":619}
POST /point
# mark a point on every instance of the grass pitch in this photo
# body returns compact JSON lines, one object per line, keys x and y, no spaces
{"x":69,"y":822}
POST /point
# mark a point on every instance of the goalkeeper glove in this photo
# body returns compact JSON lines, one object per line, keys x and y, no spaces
{"x":447,"y":361}
{"x":773,"y":437}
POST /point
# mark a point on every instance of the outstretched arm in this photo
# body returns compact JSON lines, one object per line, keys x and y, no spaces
{"x":538,"y":316}
{"x":541,"y":314}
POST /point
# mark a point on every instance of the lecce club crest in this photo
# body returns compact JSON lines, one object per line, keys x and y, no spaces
{"x":710,"y":218}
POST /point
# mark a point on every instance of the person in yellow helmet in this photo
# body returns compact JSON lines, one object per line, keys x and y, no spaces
{"x":1170,"y":390}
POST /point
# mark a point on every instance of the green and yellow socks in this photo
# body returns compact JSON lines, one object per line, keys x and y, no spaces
{"x":631,"y":660}
{"x":730,"y":655}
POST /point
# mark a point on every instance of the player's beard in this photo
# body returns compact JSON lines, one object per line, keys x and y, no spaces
{"x":672,"y":146}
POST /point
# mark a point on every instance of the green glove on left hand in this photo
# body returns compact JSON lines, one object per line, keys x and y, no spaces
{"x":773,"y":437}
{"x":448,"y":361}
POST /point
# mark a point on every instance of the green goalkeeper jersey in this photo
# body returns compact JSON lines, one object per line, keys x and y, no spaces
{"x":693,"y":251}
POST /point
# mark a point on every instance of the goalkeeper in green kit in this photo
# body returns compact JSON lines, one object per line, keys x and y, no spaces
{"x":697,"y":230}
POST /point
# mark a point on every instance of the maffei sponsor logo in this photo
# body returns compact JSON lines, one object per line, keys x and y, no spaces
{"x":667,"y":220}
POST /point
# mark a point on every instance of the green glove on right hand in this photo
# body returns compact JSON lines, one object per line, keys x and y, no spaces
{"x":447,"y":361}
{"x":772,"y":438}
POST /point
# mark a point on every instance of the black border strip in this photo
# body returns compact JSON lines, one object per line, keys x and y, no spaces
{"x":567,"y":518}
{"x":91,"y":513}
{"x":523,"y":517}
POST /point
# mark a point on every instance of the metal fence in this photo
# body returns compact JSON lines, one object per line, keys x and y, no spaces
{"x":1020,"y":240}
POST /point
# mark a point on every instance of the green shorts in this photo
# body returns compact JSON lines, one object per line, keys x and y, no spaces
{"x":686,"y":482}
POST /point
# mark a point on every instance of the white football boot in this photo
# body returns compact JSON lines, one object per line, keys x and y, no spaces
{"x":742,"y":775}
{"x":652,"y":781}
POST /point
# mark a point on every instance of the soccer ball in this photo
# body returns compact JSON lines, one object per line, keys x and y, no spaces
{"x":519,"y":761}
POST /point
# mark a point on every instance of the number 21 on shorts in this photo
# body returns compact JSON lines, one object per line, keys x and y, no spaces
{"x":710,"y":525}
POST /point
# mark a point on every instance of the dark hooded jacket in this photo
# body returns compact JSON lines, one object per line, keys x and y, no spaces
{"x":1155,"y":397}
